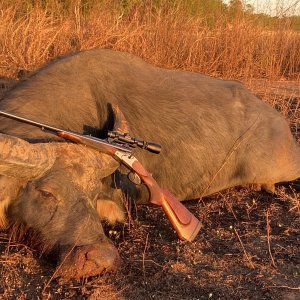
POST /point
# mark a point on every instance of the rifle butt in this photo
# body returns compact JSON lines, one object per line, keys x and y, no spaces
{"x":183,"y":221}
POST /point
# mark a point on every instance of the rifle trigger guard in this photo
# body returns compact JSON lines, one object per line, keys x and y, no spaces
{"x":134,"y":178}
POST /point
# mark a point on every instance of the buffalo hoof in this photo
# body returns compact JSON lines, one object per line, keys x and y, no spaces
{"x":88,"y":260}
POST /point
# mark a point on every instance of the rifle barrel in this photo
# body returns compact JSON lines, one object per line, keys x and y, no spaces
{"x":31,"y":122}
{"x":58,"y":131}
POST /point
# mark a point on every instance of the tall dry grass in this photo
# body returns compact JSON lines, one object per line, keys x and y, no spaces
{"x":31,"y":35}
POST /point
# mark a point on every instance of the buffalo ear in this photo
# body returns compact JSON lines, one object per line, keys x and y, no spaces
{"x":3,"y":206}
{"x":110,"y":211}
{"x":121,"y":124}
{"x":9,"y":188}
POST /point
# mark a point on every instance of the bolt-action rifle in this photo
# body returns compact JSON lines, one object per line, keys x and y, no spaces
{"x":184,"y":222}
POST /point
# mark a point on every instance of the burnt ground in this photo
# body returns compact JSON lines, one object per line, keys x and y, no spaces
{"x":248,"y":247}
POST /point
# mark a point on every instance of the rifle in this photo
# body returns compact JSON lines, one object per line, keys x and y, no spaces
{"x":183,"y":221}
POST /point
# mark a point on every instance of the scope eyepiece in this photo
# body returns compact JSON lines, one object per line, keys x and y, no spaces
{"x":153,"y":147}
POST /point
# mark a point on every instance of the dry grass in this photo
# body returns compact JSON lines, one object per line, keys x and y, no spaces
{"x":163,"y":35}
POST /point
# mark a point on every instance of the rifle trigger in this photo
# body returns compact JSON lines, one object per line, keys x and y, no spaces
{"x":134,"y":178}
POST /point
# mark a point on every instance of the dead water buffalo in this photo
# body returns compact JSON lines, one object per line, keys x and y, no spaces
{"x":214,"y":135}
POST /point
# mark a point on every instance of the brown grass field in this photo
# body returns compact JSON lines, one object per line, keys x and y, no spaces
{"x":249,"y":246}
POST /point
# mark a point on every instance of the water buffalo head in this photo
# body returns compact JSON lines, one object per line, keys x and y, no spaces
{"x":58,"y":189}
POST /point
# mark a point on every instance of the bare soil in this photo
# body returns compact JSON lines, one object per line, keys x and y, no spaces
{"x":248,"y":247}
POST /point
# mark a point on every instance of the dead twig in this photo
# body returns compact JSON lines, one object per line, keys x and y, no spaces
{"x":245,"y":252}
{"x":151,"y":261}
{"x":57,"y":269}
{"x":144,"y":254}
{"x":234,"y":147}
{"x":283,"y":287}
{"x":268,"y":238}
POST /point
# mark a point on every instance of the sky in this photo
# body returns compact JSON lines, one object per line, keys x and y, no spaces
{"x":275,"y":7}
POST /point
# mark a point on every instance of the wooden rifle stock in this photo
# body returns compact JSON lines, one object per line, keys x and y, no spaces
{"x":183,"y":221}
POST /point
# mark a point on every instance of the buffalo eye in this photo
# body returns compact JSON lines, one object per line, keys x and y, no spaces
{"x":45,"y":194}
